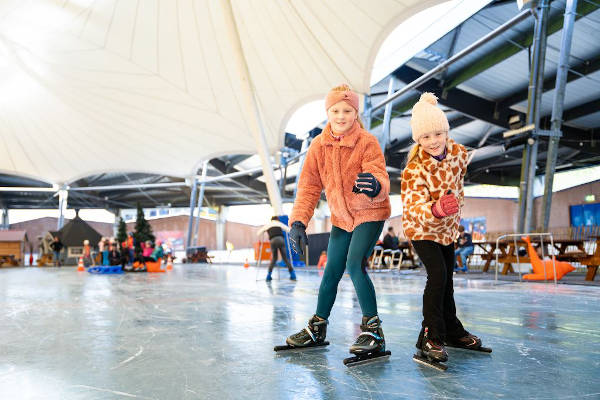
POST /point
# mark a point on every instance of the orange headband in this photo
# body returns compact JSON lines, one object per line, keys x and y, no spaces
{"x":334,"y":97}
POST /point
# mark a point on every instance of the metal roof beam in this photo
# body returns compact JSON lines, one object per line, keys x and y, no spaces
{"x":578,"y":71}
{"x":581,"y":110}
{"x":515,"y":45}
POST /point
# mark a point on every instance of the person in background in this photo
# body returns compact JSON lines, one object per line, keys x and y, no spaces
{"x":56,"y":247}
{"x":114,"y":255}
{"x":131,"y":248}
{"x":275,"y":231}
{"x":87,"y":254}
{"x":464,"y":248}
{"x":390,"y":242}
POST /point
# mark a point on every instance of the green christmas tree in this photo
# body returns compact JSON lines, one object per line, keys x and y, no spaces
{"x":122,"y":231}
{"x":143,"y":230}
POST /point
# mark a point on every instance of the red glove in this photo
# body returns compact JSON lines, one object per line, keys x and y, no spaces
{"x":446,"y":205}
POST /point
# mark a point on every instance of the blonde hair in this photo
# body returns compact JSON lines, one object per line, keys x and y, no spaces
{"x":342,"y":88}
{"x":412,"y":154}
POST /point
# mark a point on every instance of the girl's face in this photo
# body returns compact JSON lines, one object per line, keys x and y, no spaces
{"x":341,"y":116}
{"x":434,"y":143}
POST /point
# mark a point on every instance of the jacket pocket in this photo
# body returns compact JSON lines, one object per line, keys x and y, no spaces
{"x":360,"y":201}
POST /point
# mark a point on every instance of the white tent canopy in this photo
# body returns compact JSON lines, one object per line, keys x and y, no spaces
{"x":91,"y":86}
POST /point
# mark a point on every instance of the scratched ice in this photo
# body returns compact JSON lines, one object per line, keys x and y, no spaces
{"x":207,"y":332}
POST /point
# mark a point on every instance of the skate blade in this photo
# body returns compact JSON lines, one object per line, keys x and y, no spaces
{"x":367,"y":359}
{"x":288,"y":347}
{"x":482,"y":349}
{"x":425,"y":361}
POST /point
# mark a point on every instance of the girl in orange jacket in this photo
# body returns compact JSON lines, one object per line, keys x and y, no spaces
{"x":432,"y":197}
{"x":347,"y":162}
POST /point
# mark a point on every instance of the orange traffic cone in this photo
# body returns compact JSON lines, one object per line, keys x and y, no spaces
{"x":169,"y":263}
{"x":246,"y":265}
{"x":80,"y":265}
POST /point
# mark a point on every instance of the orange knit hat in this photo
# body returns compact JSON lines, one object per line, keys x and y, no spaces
{"x":335,"y":96}
{"x":427,"y":117}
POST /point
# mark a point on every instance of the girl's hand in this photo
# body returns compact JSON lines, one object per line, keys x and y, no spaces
{"x":445,"y":206}
{"x":298,"y":238}
{"x":366,"y":183}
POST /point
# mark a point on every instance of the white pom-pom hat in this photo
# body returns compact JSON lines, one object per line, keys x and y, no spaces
{"x":427,"y":117}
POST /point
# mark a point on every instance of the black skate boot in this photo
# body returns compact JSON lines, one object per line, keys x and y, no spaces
{"x":431,"y":353}
{"x":468,"y":342}
{"x":370,"y":344}
{"x":311,"y":336}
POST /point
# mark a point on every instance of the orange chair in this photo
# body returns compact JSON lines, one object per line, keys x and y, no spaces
{"x":562,"y":267}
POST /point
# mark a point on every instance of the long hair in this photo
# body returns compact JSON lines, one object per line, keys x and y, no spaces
{"x":343,"y":88}
{"x":412,"y":154}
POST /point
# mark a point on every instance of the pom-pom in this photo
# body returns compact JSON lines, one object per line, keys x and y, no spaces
{"x":429,"y":98}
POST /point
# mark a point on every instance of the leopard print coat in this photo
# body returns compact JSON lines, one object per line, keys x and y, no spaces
{"x":424,"y":181}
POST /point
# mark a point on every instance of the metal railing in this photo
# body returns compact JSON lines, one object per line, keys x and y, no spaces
{"x":541,"y":236}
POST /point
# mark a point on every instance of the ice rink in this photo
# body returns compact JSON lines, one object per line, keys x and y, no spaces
{"x":207,"y":332}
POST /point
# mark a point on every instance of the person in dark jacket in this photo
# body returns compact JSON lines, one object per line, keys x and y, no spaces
{"x":114,"y":255}
{"x":275,"y":231}
{"x":56,"y":247}
{"x":390,"y":242}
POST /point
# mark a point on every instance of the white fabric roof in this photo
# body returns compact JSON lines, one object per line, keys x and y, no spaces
{"x":91,"y":86}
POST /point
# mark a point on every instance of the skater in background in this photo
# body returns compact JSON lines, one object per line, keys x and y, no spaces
{"x":275,"y":231}
{"x":464,"y":248}
{"x":56,"y":247}
{"x":347,"y":162}
{"x":432,"y":197}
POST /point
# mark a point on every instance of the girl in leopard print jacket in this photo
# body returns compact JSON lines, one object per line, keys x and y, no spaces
{"x":432,"y":197}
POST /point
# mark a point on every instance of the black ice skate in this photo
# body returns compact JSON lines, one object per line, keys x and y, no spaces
{"x":468,"y":342}
{"x":432,"y":353}
{"x":311,"y":336}
{"x":370,"y":344}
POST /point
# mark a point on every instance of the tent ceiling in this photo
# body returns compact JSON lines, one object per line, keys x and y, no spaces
{"x":96,"y":86}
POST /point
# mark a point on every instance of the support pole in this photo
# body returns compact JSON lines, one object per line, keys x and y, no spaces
{"x":368,"y":112}
{"x":303,"y":151}
{"x":250,"y":106}
{"x":199,"y":204}
{"x":536,"y":79}
{"x":387,"y":116}
{"x":191,"y":218}
{"x":5,"y":221}
{"x":63,"y":195}
{"x":117,"y":212}
{"x":557,"y":110}
{"x":220,"y":228}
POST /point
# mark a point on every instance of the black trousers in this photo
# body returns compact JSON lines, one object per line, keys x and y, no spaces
{"x":278,"y":245}
{"x":439,"y":310}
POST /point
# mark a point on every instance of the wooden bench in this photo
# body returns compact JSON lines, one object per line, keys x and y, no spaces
{"x":592,"y":261}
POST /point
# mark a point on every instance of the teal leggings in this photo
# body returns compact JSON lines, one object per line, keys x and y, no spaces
{"x":346,"y":250}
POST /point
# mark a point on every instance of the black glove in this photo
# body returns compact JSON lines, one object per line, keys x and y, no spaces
{"x":298,"y":238}
{"x":367,"y":184}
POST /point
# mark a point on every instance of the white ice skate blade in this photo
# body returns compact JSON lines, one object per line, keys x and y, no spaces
{"x":368,"y":361}
{"x":292,"y":349}
{"x":439,"y":366}
{"x":482,"y":349}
